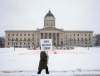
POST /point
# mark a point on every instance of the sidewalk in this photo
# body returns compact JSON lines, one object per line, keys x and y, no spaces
{"x":56,"y":73}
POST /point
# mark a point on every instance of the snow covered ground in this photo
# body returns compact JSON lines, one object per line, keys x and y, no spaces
{"x":24,"y":62}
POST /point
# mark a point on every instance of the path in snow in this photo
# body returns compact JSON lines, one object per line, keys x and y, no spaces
{"x":56,"y":73}
{"x":75,"y":62}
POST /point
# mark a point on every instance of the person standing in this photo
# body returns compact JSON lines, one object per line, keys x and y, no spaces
{"x":43,"y":62}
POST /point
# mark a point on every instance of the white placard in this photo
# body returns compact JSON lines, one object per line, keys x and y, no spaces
{"x":46,"y":44}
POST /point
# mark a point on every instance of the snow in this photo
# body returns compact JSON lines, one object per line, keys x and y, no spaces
{"x":24,"y":62}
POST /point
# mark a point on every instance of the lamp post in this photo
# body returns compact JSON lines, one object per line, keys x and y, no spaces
{"x":14,"y":45}
{"x":13,"y":41}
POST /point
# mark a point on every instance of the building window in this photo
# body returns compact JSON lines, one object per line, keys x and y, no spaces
{"x":85,"y":34}
{"x":28,"y":34}
{"x":24,"y":39}
{"x":28,"y":39}
{"x":74,"y":39}
{"x":53,"y":35}
{"x":41,"y":35}
{"x":85,"y":39}
{"x":8,"y":39}
{"x":20,"y":43}
{"x":8,"y":43}
{"x":89,"y":38}
{"x":45,"y":35}
{"x":32,"y":39}
{"x":20,"y":34}
{"x":81,"y":39}
{"x":77,"y":34}
{"x":16,"y":39}
{"x":28,"y":43}
{"x":81,"y":34}
{"x":12,"y":39}
{"x":57,"y":34}
{"x":16,"y":34}
{"x":24,"y":43}
{"x":16,"y":43}
{"x":12,"y":34}
{"x":77,"y":39}
{"x":61,"y":43}
{"x":24,"y":34}
{"x":8,"y":34}
{"x":49,"y":35}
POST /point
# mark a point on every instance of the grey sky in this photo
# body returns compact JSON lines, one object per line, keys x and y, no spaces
{"x":70,"y":14}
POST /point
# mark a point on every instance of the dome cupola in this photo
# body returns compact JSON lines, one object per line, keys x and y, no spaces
{"x":49,"y":14}
{"x":49,"y":20}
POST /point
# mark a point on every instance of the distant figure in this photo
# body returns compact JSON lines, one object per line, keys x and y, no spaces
{"x":43,"y":62}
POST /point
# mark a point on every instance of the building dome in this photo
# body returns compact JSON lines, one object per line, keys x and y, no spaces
{"x":49,"y":14}
{"x":49,"y":20}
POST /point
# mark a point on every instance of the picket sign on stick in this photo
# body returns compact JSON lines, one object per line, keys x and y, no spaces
{"x":46,"y":44}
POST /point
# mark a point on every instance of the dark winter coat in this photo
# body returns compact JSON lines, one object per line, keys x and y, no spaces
{"x":43,"y":60}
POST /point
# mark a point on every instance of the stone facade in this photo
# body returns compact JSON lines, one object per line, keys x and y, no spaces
{"x":59,"y":37}
{"x":97,"y":40}
{"x":2,"y":42}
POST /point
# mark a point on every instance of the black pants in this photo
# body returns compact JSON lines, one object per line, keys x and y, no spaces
{"x":46,"y":69}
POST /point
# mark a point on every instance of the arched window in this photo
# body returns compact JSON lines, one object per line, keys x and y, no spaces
{"x":28,"y":34}
{"x":24,"y":34}
{"x":12,"y":39}
{"x":24,"y":39}
{"x":20,"y":34}
{"x":77,"y":34}
{"x":28,"y":39}
{"x":16,"y":39}
{"x":16,"y":34}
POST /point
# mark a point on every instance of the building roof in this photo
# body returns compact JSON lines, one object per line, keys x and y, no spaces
{"x":50,"y":29}
{"x":49,"y":14}
{"x":20,"y":30}
{"x":79,"y":31}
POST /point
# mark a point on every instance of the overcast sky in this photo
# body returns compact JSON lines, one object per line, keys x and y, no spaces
{"x":69,"y":14}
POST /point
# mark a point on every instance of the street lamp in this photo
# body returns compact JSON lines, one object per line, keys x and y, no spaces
{"x":13,"y":42}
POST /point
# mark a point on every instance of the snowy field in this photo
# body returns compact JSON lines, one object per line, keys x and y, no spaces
{"x":77,"y":62}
